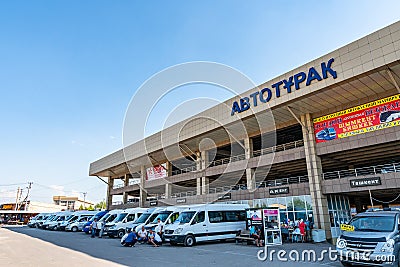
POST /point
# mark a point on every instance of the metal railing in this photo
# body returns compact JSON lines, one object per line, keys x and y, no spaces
{"x":283,"y":181}
{"x":184,"y":170}
{"x":238,"y":187}
{"x":371,"y":170}
{"x":184,"y":194}
{"x":116,"y":186}
{"x":227,"y":160}
{"x":278,"y":148}
{"x":133,"y":182}
{"x":264,"y":151}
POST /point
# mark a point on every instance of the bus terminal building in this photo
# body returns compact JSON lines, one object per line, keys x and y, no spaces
{"x":332,"y":149}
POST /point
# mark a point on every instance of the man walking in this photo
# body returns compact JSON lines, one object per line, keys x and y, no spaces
{"x":94,"y":227}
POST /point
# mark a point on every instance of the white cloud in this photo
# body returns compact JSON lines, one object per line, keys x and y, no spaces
{"x":59,"y":189}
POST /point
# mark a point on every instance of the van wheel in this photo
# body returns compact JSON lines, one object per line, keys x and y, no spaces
{"x":121,"y":233}
{"x":74,"y":229}
{"x":189,"y":241}
{"x":346,"y":264}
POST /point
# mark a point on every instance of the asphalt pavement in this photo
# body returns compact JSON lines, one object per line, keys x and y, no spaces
{"x":23,"y":246}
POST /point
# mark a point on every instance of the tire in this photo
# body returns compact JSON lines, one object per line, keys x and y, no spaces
{"x":346,"y":264}
{"x":74,"y":229}
{"x":120,"y":233}
{"x":189,"y":241}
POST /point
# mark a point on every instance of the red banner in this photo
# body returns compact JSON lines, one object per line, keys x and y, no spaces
{"x":372,"y":116}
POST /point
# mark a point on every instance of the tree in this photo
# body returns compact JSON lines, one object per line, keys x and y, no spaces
{"x":90,"y":208}
{"x":81,"y":207}
{"x":101,"y":205}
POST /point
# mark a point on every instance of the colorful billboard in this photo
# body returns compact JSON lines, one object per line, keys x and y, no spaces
{"x":370,"y":117}
{"x":156,"y":172}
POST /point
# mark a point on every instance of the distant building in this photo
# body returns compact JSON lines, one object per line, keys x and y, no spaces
{"x":32,"y":207}
{"x":71,"y":203}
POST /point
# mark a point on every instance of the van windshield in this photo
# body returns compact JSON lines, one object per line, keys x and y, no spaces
{"x":185,"y":217}
{"x":68,"y":217}
{"x":73,"y":218}
{"x":105,"y":217}
{"x":120,"y":217}
{"x":143,"y":218}
{"x":111,"y":218}
{"x":163,"y":216}
{"x":373,"y":223}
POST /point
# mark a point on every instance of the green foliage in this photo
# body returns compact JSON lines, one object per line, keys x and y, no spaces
{"x":100,"y":205}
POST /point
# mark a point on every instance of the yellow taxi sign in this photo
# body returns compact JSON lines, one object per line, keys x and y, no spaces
{"x":346,"y":227}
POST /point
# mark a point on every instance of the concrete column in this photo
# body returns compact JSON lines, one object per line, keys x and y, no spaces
{"x":168,"y":190}
{"x":109,"y":196}
{"x":169,"y":168}
{"x":205,"y":185}
{"x":314,"y":170}
{"x":248,"y":144}
{"x":250,"y":178}
{"x":143,"y":193}
{"x":204,"y":180}
{"x":125,"y":194}
{"x":198,"y":186}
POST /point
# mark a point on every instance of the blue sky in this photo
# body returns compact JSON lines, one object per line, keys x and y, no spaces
{"x":68,"y":69}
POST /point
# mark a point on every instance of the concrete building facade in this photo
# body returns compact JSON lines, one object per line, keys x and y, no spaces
{"x":320,"y":141}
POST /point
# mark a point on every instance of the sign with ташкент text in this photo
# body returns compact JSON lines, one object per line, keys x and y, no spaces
{"x":365,"y":182}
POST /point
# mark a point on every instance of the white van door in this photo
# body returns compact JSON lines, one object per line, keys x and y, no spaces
{"x":199,"y":227}
{"x":216,"y":226}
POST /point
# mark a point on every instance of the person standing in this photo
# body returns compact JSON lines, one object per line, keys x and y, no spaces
{"x":302,"y":227}
{"x":159,"y":229}
{"x":94,"y":227}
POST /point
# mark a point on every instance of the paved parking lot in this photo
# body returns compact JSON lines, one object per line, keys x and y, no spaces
{"x":79,"y":247}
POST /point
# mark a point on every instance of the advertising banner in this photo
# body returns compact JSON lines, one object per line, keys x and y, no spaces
{"x":370,"y":117}
{"x":254,"y":217}
{"x":156,"y":172}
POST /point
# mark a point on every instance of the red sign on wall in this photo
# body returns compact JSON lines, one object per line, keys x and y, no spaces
{"x":373,"y":116}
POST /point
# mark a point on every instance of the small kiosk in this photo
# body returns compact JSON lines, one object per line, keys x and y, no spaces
{"x":272,"y":227}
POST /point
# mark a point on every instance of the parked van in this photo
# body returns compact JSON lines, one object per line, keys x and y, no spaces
{"x":99,"y":215}
{"x":47,"y":216}
{"x":65,"y":215}
{"x":111,"y":219}
{"x":166,"y":216}
{"x":206,"y":223}
{"x":74,"y":216}
{"x":32,"y":222}
{"x":146,"y":218}
{"x":80,"y":220}
{"x":130,"y":216}
{"x":49,"y":221}
{"x":371,"y":238}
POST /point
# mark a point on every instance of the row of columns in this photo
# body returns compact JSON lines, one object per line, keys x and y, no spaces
{"x":314,"y":171}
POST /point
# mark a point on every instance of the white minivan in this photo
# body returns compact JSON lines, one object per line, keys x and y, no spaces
{"x":129,"y":216}
{"x":64,"y":216}
{"x":110,"y":219}
{"x":146,"y":218}
{"x":207,"y":222}
{"x":166,"y":216}
{"x":78,"y":221}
